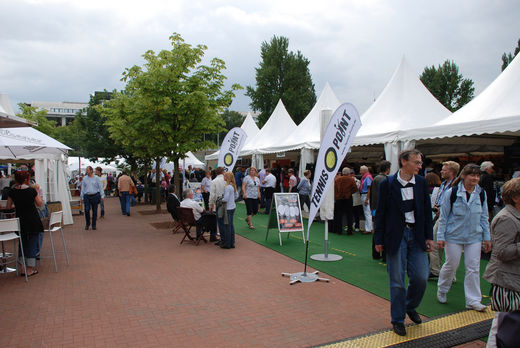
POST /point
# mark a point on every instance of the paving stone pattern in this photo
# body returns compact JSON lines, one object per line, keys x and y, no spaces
{"x":132,"y":285}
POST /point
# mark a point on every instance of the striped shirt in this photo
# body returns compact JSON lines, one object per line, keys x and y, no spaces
{"x":408,"y":198}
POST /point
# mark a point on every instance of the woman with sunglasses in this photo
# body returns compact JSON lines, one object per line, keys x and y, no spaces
{"x":463,"y":225}
{"x":251,"y":190}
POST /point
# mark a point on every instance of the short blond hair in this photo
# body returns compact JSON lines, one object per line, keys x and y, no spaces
{"x":453,"y":166}
{"x":510,"y":190}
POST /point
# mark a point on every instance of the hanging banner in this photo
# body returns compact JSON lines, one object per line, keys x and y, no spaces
{"x":231,"y":147}
{"x":337,"y":139}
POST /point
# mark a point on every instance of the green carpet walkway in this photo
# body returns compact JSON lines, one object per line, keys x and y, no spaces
{"x":357,"y":266}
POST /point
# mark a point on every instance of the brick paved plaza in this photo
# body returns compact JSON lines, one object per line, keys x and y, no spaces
{"x":132,"y":285}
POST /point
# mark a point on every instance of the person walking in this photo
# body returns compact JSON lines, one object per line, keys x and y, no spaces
{"x":366,"y":181}
{"x":373,"y":195}
{"x":270,"y":185}
{"x":205,"y":185}
{"x":251,"y":192}
{"x":344,"y":187}
{"x":503,"y":269}
{"x":91,"y":193}
{"x":357,"y":205}
{"x":124,"y":185}
{"x":449,"y":172}
{"x":304,"y":189}
{"x":404,"y":231}
{"x":230,"y":195}
{"x":103,"y":179}
{"x":488,"y":184}
{"x":463,"y":225}
{"x":215,"y":194}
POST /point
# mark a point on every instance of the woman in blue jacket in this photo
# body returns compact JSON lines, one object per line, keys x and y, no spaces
{"x":463,"y":225}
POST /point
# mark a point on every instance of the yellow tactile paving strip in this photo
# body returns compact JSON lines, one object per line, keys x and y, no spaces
{"x":429,"y":328}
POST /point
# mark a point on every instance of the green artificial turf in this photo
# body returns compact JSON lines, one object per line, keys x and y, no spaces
{"x":357,"y":266}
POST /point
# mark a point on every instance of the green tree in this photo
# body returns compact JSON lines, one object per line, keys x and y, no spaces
{"x":168,"y":103}
{"x":93,"y":134}
{"x":508,"y":58}
{"x":447,"y":85}
{"x":30,"y":113}
{"x":282,"y":75}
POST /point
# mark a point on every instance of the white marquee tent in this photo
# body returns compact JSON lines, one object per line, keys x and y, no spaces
{"x":7,"y":117}
{"x":48,"y":155}
{"x":405,"y":103}
{"x":279,"y":125}
{"x":494,"y":111}
{"x":249,"y":126}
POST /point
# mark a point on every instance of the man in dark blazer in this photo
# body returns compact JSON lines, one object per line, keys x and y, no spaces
{"x":404,"y":231}
{"x":172,"y":202}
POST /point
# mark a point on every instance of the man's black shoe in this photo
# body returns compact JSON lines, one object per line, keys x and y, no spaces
{"x":217,"y":243}
{"x":86,"y":228}
{"x":415,"y":317}
{"x":93,"y":227}
{"x":399,"y":329}
{"x":213,"y":239}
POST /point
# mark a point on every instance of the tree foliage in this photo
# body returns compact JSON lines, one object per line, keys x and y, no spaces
{"x":93,"y":137}
{"x":447,"y":85}
{"x":508,"y":58}
{"x":30,"y":113}
{"x":168,"y":103}
{"x":282,"y":75}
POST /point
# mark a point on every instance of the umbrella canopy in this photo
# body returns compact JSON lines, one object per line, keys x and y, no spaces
{"x":29,"y":143}
{"x":7,"y":116}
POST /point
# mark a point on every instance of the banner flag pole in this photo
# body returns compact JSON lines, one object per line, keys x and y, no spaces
{"x":335,"y":144}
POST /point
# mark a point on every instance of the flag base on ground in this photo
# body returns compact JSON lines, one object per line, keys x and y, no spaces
{"x":304,"y":277}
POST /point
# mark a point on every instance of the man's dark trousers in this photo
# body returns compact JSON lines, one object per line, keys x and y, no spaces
{"x":91,"y":201}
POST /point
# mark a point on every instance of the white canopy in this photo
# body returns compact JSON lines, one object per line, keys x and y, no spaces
{"x":73,"y":164}
{"x":29,"y":143}
{"x":278,"y":127}
{"x":307,"y":134}
{"x":7,"y":117}
{"x":249,"y":126}
{"x":494,"y":111}
{"x":405,"y":103}
{"x":190,"y":159}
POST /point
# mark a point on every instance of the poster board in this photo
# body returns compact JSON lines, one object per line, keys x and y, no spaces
{"x":286,"y":214}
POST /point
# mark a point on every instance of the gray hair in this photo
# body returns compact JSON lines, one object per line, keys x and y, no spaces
{"x":486,"y":165}
{"x":186,"y":193}
{"x":345,"y":171}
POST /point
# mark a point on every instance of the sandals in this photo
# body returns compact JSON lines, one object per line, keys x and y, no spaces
{"x":251,"y":227}
{"x":31,"y":274}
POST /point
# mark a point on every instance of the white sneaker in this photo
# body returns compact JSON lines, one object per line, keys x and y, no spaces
{"x":477,"y":307}
{"x":441,"y":296}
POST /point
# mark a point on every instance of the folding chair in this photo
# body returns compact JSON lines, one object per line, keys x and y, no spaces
{"x":10,"y":230}
{"x":55,"y":226}
{"x":187,"y":221}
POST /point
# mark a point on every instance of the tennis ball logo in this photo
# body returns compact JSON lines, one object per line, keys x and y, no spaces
{"x":331,"y":159}
{"x":228,"y":159}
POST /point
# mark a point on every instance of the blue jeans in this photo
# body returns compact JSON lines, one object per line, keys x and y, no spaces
{"x":30,"y":249}
{"x":91,"y":201}
{"x":102,"y":205}
{"x":410,"y":257}
{"x":124,"y":199}
{"x":229,"y":239}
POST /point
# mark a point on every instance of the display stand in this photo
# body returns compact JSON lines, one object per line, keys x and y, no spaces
{"x":286,"y":210}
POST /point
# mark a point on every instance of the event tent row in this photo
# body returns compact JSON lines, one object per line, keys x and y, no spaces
{"x":404,"y":104}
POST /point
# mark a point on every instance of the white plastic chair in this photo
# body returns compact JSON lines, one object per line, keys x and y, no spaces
{"x":10,"y":230}
{"x":55,"y":226}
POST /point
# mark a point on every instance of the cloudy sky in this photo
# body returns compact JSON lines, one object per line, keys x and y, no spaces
{"x":56,"y":50}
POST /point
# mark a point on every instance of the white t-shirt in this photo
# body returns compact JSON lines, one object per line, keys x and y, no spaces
{"x":195,"y":206}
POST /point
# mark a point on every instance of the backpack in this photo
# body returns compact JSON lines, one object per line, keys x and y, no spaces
{"x":453,"y":196}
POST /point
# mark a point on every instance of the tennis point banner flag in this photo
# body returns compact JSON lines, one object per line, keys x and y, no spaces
{"x":335,"y":144}
{"x":231,"y":147}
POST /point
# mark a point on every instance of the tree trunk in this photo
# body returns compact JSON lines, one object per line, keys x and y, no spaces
{"x":158,"y":197}
{"x":176,"y":179}
{"x":146,"y":187}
